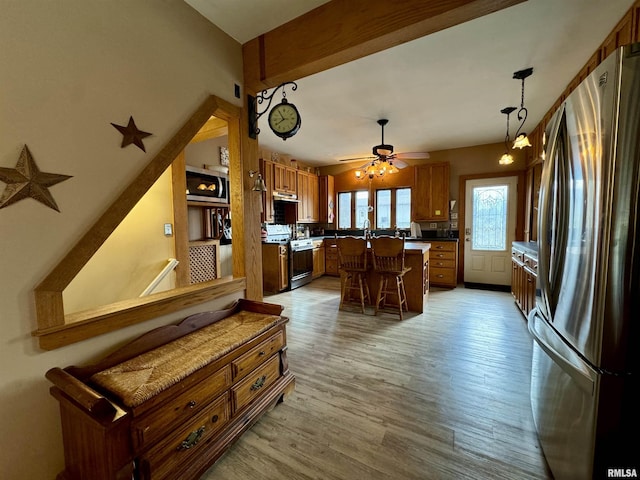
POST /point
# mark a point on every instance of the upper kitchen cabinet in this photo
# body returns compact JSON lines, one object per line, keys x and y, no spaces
{"x":307,"y":197}
{"x":326,"y":199}
{"x":430,"y":195}
{"x":284,"y":179}
{"x":266,"y":168}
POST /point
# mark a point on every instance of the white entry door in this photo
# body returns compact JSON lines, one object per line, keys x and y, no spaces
{"x":490,"y":226}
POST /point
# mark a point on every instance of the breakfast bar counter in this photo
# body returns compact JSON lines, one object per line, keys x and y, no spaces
{"x":416,"y":281}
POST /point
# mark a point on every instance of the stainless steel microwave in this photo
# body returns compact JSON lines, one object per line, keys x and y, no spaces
{"x":207,"y":185}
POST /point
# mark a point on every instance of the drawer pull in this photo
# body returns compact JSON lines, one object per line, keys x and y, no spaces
{"x":261,"y":354}
{"x":440,"y":255}
{"x":259,"y":383}
{"x":440,"y":275}
{"x":192,"y":439}
{"x":191,"y":404}
{"x":214,"y":419}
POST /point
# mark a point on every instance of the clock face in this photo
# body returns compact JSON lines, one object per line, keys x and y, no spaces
{"x":284,"y":119}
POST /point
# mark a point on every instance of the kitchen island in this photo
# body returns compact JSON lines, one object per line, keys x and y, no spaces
{"x":416,"y":281}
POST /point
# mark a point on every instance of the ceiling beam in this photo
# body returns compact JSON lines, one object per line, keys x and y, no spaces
{"x":341,"y":31}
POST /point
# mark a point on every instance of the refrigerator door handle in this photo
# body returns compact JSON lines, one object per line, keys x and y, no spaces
{"x":586,"y":383}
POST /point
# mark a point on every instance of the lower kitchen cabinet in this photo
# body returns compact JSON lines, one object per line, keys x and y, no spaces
{"x":331,"y":257}
{"x":275,"y":267}
{"x":443,"y":266}
{"x":318,"y":258}
{"x":524,"y":277}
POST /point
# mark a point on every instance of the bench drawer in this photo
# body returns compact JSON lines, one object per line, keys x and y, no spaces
{"x":257,"y":355}
{"x":170,"y":454}
{"x":260,"y":379}
{"x":181,"y":409}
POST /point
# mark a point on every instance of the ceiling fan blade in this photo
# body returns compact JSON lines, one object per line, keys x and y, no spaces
{"x":356,"y":159}
{"x":413,"y":155}
{"x":399,"y":163}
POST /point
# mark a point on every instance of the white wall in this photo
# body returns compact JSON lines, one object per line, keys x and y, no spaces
{"x":69,"y":69}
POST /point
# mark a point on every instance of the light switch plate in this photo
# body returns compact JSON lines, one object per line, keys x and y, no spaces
{"x":168,"y":229}
{"x":454,"y":225}
{"x":433,"y":225}
{"x":454,"y":216}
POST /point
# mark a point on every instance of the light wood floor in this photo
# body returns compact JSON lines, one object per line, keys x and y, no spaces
{"x":440,"y":395}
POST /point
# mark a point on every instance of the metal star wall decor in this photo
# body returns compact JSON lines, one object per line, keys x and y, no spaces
{"x":26,"y":180}
{"x":131,"y":134}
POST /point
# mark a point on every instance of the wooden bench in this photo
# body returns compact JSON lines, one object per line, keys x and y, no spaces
{"x":168,"y":404}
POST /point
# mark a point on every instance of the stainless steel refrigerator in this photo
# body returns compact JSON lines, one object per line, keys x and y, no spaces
{"x":586,"y":324}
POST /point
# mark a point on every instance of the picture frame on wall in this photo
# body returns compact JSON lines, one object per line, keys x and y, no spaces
{"x":224,"y":156}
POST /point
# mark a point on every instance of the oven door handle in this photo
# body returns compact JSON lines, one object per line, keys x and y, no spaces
{"x":302,"y":249}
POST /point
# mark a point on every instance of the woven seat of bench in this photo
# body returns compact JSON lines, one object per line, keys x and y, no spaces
{"x":144,"y":376}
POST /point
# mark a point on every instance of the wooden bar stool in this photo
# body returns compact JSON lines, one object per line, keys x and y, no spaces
{"x":352,"y":265}
{"x":388,"y":262}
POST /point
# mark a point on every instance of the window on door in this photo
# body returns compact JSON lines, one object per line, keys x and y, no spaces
{"x":490,"y":218}
{"x":353,"y":210}
{"x":393,"y":208}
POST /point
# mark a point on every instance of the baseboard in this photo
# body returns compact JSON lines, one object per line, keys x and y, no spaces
{"x":487,"y":286}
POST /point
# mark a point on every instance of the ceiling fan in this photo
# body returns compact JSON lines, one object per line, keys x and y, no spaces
{"x":385,"y":153}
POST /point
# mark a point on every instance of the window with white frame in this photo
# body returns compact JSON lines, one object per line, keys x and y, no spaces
{"x":393,"y":208}
{"x":353,"y":210}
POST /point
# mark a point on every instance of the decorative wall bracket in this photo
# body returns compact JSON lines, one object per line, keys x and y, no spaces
{"x":259,"y":99}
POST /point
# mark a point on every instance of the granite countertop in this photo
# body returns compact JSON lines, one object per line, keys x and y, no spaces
{"x":408,"y":239}
{"x":431,"y":239}
{"x":530,"y":248}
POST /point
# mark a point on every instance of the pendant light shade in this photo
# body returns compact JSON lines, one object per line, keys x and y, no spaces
{"x":506,"y":158}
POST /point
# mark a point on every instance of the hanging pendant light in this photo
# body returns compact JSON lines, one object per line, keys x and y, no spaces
{"x":521,"y":139}
{"x":506,"y":158}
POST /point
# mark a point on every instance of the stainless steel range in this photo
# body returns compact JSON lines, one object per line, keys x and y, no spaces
{"x":300,"y":265}
{"x":300,"y":262}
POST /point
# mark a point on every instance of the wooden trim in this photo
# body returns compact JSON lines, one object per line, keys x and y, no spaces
{"x":462,"y":194}
{"x":112,"y":317}
{"x":247,"y":261}
{"x":72,"y":263}
{"x":340,"y":31}
{"x":214,"y":128}
{"x":180,"y":220}
{"x":51,"y":318}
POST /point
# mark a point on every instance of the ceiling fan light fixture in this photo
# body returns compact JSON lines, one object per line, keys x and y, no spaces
{"x":383,"y":150}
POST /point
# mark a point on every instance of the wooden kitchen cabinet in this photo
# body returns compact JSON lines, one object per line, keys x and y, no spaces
{"x":266,"y":168}
{"x":443,"y":265}
{"x":430,"y":195}
{"x":331,"y":257}
{"x":318,"y":258}
{"x":307,"y":197}
{"x":533,"y":177}
{"x":326,"y":199}
{"x":275,"y":267}
{"x":285,"y":179}
{"x":523,"y":278}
